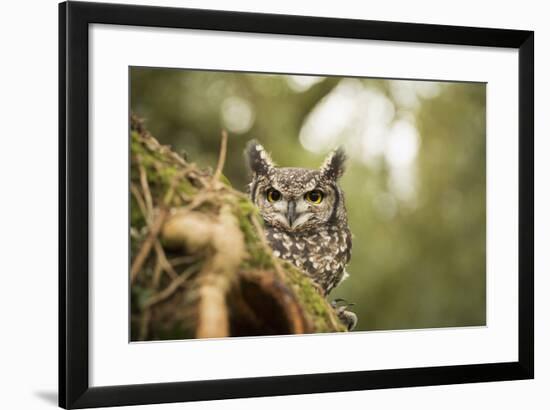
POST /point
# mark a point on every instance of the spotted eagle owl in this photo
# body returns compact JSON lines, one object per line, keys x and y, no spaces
{"x":304,"y":213}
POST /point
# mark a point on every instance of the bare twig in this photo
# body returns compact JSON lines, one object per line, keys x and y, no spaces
{"x":180,"y":260}
{"x":221,"y":158}
{"x":167,"y":199}
{"x":199,"y":199}
{"x":141,"y":203}
{"x":148,"y":243}
{"x":146,"y":316}
{"x":155,"y":226}
{"x":170,"y":289}
{"x":157,"y":274}
{"x":145,"y":186}
{"x":166,"y":265}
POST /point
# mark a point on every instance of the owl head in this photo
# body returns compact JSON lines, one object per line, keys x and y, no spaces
{"x":296,"y":199}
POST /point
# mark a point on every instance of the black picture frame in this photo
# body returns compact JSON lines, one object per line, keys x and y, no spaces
{"x":74,"y":21}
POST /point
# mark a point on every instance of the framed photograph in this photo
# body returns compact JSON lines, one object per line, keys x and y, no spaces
{"x":256,"y":204}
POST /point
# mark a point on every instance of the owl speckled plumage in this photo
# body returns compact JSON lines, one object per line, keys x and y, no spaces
{"x":304,"y":213}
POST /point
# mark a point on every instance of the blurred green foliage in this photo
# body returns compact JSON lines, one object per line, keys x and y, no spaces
{"x":415,"y":199}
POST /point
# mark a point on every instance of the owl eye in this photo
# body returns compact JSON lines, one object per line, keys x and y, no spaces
{"x":315,"y":196}
{"x":273,"y":195}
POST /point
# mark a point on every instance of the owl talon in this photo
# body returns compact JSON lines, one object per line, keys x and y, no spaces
{"x":347,"y":317}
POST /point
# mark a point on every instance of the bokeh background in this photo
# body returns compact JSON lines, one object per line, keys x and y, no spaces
{"x":414,"y":185}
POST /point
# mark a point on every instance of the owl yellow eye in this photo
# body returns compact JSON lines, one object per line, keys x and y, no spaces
{"x":315,"y":196}
{"x":273,"y":195}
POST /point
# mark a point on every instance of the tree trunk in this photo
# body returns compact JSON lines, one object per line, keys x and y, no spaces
{"x":200,"y":264}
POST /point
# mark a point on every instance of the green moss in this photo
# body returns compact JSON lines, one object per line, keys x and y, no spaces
{"x":315,"y":305}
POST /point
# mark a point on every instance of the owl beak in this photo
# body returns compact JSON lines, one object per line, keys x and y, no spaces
{"x":291,"y":213}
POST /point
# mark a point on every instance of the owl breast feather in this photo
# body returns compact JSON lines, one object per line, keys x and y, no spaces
{"x":322,"y":254}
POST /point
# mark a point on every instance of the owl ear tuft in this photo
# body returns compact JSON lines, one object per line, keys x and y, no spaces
{"x":257,"y":158}
{"x":333,"y":167}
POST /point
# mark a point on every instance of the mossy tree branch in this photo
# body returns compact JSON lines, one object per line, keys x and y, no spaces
{"x":200,"y":264}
